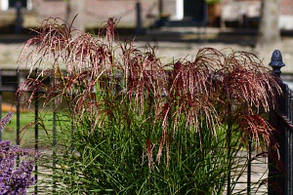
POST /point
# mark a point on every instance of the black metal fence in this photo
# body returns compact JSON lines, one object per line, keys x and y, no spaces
{"x":280,"y":162}
{"x":9,"y":84}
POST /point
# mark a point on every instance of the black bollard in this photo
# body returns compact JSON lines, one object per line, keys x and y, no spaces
{"x":19,"y":20}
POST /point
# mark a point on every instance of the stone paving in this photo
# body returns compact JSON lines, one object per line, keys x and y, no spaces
{"x":259,"y":175}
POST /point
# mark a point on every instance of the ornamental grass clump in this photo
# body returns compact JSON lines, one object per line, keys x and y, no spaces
{"x":141,"y":126}
{"x":14,"y":179}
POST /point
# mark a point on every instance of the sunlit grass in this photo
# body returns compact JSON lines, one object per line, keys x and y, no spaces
{"x":27,"y":129}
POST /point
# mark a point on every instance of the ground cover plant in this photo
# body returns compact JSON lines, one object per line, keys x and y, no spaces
{"x":14,"y":179}
{"x":140,"y":126}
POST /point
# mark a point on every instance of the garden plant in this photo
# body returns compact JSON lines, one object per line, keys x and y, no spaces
{"x":16,"y":166}
{"x":138,"y":126}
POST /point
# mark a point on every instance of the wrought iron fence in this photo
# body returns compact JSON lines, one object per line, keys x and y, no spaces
{"x":281,"y":162}
{"x":12,"y":87}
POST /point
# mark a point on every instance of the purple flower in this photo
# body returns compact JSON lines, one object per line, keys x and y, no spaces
{"x":14,"y":179}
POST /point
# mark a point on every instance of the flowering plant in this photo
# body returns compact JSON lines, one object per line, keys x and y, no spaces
{"x":13,"y":180}
{"x":137,"y":125}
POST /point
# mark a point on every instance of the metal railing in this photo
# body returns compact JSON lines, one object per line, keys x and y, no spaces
{"x":280,"y":179}
{"x":12,"y":87}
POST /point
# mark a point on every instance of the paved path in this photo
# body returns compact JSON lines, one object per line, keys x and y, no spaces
{"x":259,"y":175}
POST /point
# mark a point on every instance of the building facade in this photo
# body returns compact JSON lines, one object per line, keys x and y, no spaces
{"x":251,"y":9}
{"x":229,"y":11}
{"x":193,"y":12}
{"x":95,"y":12}
{"x":183,"y":9}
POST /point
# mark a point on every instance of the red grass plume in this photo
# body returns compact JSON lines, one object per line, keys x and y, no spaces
{"x":197,"y":92}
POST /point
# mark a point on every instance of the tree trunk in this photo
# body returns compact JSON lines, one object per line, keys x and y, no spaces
{"x":75,"y":11}
{"x":269,"y":32}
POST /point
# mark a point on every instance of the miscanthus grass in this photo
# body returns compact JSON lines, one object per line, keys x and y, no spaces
{"x":141,"y":126}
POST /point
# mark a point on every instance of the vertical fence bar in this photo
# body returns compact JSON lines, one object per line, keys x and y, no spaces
{"x":229,"y":165}
{"x":228,"y":140}
{"x":287,"y":106}
{"x":278,"y":180}
{"x":17,"y":111}
{"x":249,"y":166}
{"x":72,"y":128}
{"x":289,"y":138}
{"x":72,"y":144}
{"x":0,"y":100}
{"x":54,"y":141}
{"x":36,"y":134}
{"x":17,"y":115}
{"x":290,"y":181}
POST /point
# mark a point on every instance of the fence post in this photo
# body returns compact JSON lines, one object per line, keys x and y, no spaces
{"x":279,"y":166}
{"x":1,"y":100}
{"x":289,"y":142}
{"x":19,"y":19}
{"x":17,"y":110}
{"x":249,"y":160}
{"x":54,"y":139}
{"x":36,"y":134}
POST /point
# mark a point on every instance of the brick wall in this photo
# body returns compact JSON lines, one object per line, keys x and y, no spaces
{"x":286,"y":7}
{"x":45,"y":8}
{"x":97,"y":12}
